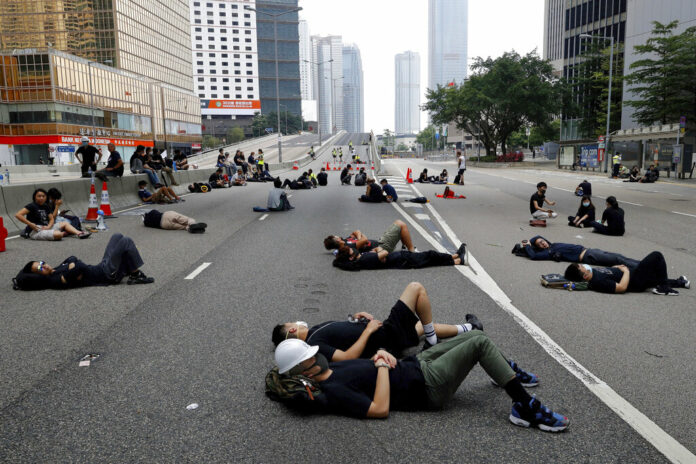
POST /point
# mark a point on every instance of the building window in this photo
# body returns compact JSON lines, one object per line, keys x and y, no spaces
{"x":211,"y":38}
{"x":223,"y":39}
{"x":212,"y":71}
{"x":226,"y":87}
{"x":238,"y":80}
{"x":213,"y":95}
{"x":247,"y":32}
{"x":247,"y":24}
{"x":247,"y":48}
{"x":201,"y":79}
{"x":223,"y":23}
{"x":227,"y":95}
{"x":200,"y":71}
{"x":238,"y":88}
{"x":209,"y":5}
{"x":237,"y":71}
{"x":224,"y":55}
{"x":250,"y":80}
{"x":237,"y":64}
{"x":213,"y":87}
{"x":238,"y":96}
{"x":212,"y":63}
{"x":201,"y":95}
{"x":212,"y":55}
{"x":197,"y":21}
{"x":248,"y":57}
{"x":196,"y":3}
{"x":247,"y":40}
{"x":226,"y":79}
{"x":249,"y":73}
{"x":247,"y":15}
{"x":210,"y":13}
{"x":222,"y":13}
{"x":250,"y":89}
{"x":198,"y":29}
{"x":224,"y":71}
{"x":223,"y":47}
{"x":210,"y":21}
{"x":250,"y":96}
{"x":213,"y":79}
{"x":198,"y":37}
{"x":199,"y":63}
{"x":236,"y":47}
{"x":210,"y":29}
{"x":197,"y":12}
{"x":199,"y":55}
{"x":249,"y":65}
{"x":224,"y":63}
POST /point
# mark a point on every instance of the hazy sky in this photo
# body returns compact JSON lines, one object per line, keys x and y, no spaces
{"x":383,"y":28}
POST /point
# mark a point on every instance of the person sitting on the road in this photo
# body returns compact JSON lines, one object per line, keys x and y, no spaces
{"x":371,"y":388}
{"x":114,"y":166}
{"x":536,"y":203}
{"x":312,"y":178}
{"x":612,"y":219}
{"x":423,"y":178}
{"x":373,"y":192}
{"x":650,"y":272}
{"x":585,"y":215}
{"x":584,"y":188}
{"x":171,"y":220}
{"x":161,"y":195}
{"x":361,"y":178}
{"x":121,"y":259}
{"x":216,"y":179}
{"x":277,"y":198}
{"x":139,"y":163}
{"x":323,"y":177}
{"x":238,"y":179}
{"x":362,"y":335}
{"x":395,"y":233}
{"x":346,"y":175}
{"x":624,"y":172}
{"x":181,"y":160}
{"x":651,"y":175}
{"x":389,"y":191}
{"x":634,"y":175}
{"x":540,"y":249}
{"x":349,"y":259}
{"x":41,"y":222}
{"x":444,"y":176}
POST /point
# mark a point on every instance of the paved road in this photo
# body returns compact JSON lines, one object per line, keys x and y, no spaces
{"x":207,"y":340}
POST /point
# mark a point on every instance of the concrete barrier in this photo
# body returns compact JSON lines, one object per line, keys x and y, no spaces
{"x":8,"y":218}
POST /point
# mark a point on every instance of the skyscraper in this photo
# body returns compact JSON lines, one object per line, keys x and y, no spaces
{"x":554,"y":12}
{"x":306,"y":82}
{"x":328,"y":85}
{"x":407,"y":99}
{"x":353,"y":90}
{"x":447,"y":41}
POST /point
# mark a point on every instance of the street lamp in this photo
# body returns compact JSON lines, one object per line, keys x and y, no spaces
{"x":611,"y":69}
{"x":275,"y":40}
{"x":319,"y":96}
{"x":286,"y":118}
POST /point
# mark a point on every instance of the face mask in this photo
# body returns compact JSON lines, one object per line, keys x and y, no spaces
{"x":587,"y":267}
{"x":302,"y":323}
{"x":319,"y":360}
{"x":585,"y":204}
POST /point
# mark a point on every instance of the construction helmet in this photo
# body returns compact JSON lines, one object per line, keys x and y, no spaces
{"x":84,"y":139}
{"x":292,"y":352}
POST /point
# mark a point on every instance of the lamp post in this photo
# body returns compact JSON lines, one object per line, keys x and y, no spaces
{"x":319,"y":94}
{"x":275,"y":40}
{"x":611,"y":69}
{"x":286,"y":117}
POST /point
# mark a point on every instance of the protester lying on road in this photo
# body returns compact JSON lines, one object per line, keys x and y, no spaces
{"x":363,"y":335}
{"x":121,"y":259}
{"x":301,"y":183}
{"x":540,"y":249}
{"x":373,"y":192}
{"x":650,"y":272}
{"x":612,"y":220}
{"x":41,"y":222}
{"x":585,"y":215}
{"x":371,"y":388}
{"x":349,"y":259}
{"x":161,"y":195}
{"x":536,"y":203}
{"x":397,"y":232}
{"x":171,"y":220}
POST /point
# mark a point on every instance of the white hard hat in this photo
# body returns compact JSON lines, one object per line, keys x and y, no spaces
{"x":292,"y":352}
{"x":84,"y":139}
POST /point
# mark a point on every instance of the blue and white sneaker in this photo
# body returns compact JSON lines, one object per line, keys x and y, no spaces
{"x":527,"y":379}
{"x":537,"y":415}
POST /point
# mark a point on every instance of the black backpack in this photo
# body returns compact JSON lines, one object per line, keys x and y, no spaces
{"x":296,"y":391}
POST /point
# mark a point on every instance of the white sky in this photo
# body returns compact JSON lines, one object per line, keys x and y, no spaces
{"x":383,"y":28}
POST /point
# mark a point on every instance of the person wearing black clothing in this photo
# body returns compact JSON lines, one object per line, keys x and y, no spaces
{"x":651,"y":175}
{"x":216,"y":180}
{"x":540,"y":249}
{"x":239,"y":161}
{"x":181,"y":160}
{"x":584,"y":188}
{"x":302,"y":183}
{"x":157,"y":163}
{"x":585,"y":215}
{"x":323,"y":177}
{"x":349,"y":259}
{"x":346,"y":175}
{"x":395,"y":233}
{"x":634,"y":175}
{"x":114,"y":166}
{"x":139,"y":163}
{"x":650,"y":272}
{"x":40,"y":220}
{"x":536,"y":203}
{"x":612,"y":220}
{"x":121,"y":258}
{"x":373,"y":193}
{"x":87,"y":156}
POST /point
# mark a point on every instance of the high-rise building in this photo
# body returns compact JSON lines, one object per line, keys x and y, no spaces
{"x":447,"y":41}
{"x":306,"y":86}
{"x":114,"y":70}
{"x":353,"y":90}
{"x":407,"y":99}
{"x":288,"y":55}
{"x":554,"y":13}
{"x":328,"y":85}
{"x":226,"y":70}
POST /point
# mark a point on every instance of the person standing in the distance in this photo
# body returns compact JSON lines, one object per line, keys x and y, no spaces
{"x":86,"y":155}
{"x":461,"y":159}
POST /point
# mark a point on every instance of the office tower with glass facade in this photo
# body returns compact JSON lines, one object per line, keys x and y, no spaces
{"x":407,"y":111}
{"x":353,"y":90}
{"x":554,"y":13}
{"x":328,"y":81}
{"x":288,"y":56}
{"x":447,"y":41}
{"x":113,"y":70}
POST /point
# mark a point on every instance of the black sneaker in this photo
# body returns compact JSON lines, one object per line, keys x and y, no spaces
{"x":665,"y":290}
{"x":139,"y":278}
{"x":197,"y":228}
{"x":684,"y":280}
{"x":527,"y":379}
{"x":84,"y":235}
{"x":537,"y":415}
{"x":474,"y":321}
{"x":461,"y":251}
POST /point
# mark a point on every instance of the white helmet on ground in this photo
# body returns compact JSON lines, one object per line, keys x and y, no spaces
{"x":292,"y":352}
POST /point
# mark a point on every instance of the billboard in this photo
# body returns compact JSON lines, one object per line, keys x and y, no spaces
{"x":589,"y":156}
{"x":233,"y":107}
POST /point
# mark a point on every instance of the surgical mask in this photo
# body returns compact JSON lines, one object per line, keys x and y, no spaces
{"x":587,"y":267}
{"x":302,"y":323}
{"x":585,"y":204}
{"x":319,"y":360}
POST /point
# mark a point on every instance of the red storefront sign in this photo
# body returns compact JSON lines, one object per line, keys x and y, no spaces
{"x":70,"y":140}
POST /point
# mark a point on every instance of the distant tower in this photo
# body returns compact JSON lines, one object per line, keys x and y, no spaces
{"x":407,"y":98}
{"x":353,"y":90}
{"x":448,"y":24}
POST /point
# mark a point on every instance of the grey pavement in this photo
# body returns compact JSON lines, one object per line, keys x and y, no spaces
{"x":207,"y":341}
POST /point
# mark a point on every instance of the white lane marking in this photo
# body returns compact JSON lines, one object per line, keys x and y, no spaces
{"x":198,"y":270}
{"x":565,"y":190}
{"x":684,"y":214}
{"x":661,"y":440}
{"x":634,"y":204}
{"x":12,"y":238}
{"x":263,"y":217}
{"x":422,"y":216}
{"x":411,"y":205}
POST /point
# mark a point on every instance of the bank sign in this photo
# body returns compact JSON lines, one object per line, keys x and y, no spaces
{"x":589,"y":156}
{"x":232,"y":107}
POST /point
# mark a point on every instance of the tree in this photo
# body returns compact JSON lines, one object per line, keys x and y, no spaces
{"x":426,"y":137}
{"x":261,"y":122}
{"x":537,"y":135}
{"x":235,"y":134}
{"x":502,"y":95}
{"x":665,"y":79}
{"x":402,"y":147}
{"x":211,"y":142}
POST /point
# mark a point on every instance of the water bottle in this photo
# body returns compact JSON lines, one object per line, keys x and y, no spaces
{"x":101,"y":225}
{"x":7,"y":176}
{"x":91,"y":174}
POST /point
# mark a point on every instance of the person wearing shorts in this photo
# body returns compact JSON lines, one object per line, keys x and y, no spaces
{"x":362,"y":335}
{"x":397,"y":232}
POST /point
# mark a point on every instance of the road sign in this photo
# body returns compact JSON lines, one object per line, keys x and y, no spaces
{"x":682,"y":122}
{"x":527,"y":131}
{"x":437,"y":136}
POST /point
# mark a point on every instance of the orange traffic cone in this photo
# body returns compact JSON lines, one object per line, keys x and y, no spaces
{"x":92,"y":210}
{"x":295,"y":166}
{"x":409,"y":179}
{"x":327,"y":166}
{"x":373,"y":165}
{"x":105,"y":204}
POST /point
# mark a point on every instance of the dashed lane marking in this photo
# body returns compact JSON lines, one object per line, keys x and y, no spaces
{"x":263,"y":217}
{"x":685,"y":214}
{"x":411,"y":205}
{"x":198,"y":270}
{"x":422,"y":216}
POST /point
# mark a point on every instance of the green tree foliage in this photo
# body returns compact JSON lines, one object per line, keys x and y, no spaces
{"x":537,"y":135}
{"x":263,"y":121}
{"x":664,"y":80}
{"x":235,"y":134}
{"x":502,"y":95}
{"x":426,"y":137}
{"x":211,"y":142}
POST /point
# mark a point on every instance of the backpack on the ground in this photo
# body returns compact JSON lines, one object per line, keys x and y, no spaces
{"x":296,"y":391}
{"x":419,"y":200}
{"x":457,"y":178}
{"x":559,"y":281}
{"x":537,"y":222}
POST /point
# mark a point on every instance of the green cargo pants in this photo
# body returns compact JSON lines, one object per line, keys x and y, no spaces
{"x":446,"y":365}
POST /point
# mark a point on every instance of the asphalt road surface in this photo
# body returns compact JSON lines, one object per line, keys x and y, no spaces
{"x":206,"y":340}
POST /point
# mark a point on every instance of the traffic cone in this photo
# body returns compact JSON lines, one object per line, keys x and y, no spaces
{"x":327,"y":166}
{"x":105,"y":204}
{"x":373,"y":165}
{"x":295,"y":166}
{"x":409,"y":179}
{"x":92,"y":210}
{"x":3,"y":235}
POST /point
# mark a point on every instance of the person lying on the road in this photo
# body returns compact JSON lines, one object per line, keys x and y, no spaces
{"x":395,"y":233}
{"x":362,"y":335}
{"x":121,"y":259}
{"x":301,"y":183}
{"x":349,"y":259}
{"x":373,"y":192}
{"x":612,"y":219}
{"x":389,"y":191}
{"x":650,"y":272}
{"x":323,"y":178}
{"x":161,"y":195}
{"x":41,"y":222}
{"x":371,"y":388}
{"x":277,"y":198}
{"x":345,"y":174}
{"x":171,"y":220}
{"x":540,"y":249}
{"x":216,"y":180}
{"x":536,"y":203}
{"x":585,"y":215}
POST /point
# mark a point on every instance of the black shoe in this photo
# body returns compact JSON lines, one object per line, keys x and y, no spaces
{"x":197,"y":228}
{"x":685,"y":281}
{"x":474,"y":321}
{"x":665,"y":290}
{"x":461,"y":251}
{"x":84,"y":235}
{"x":139,"y":278}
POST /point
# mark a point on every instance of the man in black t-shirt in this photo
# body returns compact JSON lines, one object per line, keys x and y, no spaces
{"x":86,"y":155}
{"x":346,"y":175}
{"x":362,"y":334}
{"x":397,"y":232}
{"x":373,"y":192}
{"x":536,"y":203}
{"x":114,"y":166}
{"x":322,"y":177}
{"x":650,"y":272}
{"x":349,"y":259}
